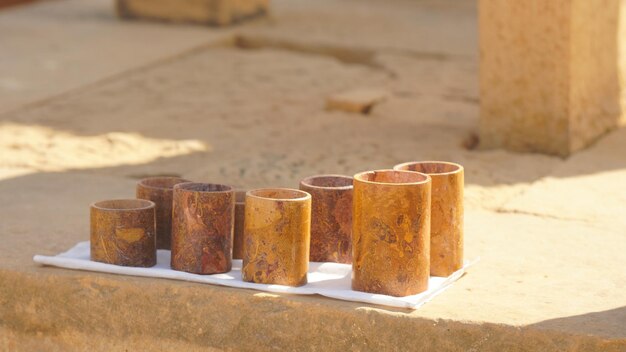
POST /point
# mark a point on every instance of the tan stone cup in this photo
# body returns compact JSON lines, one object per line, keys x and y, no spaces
{"x":391,"y":228}
{"x":276,"y":236}
{"x":240,"y":214}
{"x":331,"y":217}
{"x":202,"y":228}
{"x":123,"y":232}
{"x":446,"y":219}
{"x":160,"y":191}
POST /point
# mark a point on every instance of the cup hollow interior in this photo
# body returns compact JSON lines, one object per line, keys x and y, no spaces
{"x":430,"y":167}
{"x":283,"y":194}
{"x":123,"y":204}
{"x":203,"y":187}
{"x":328,"y":181}
{"x":392,"y":177}
{"x":161,"y":182}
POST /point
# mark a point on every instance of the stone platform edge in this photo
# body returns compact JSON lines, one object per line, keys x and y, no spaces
{"x":77,"y":308}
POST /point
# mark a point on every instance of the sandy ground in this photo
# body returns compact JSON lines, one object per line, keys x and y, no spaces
{"x":100,"y":106}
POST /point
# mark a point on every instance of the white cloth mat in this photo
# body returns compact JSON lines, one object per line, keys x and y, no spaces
{"x":327,"y":279}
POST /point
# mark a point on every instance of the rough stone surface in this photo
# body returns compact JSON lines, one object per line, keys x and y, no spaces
{"x":551,"y":272}
{"x":550,"y":73}
{"x":213,"y":12}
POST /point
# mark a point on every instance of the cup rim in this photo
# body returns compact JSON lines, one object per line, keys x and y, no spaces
{"x":147,"y":204}
{"x":359,"y":177}
{"x":459,"y":167}
{"x":180,"y":187}
{"x":305,"y":195}
{"x":306,"y":182}
{"x":143,"y":183}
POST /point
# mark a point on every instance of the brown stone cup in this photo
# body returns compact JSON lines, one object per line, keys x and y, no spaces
{"x":202,"y":228}
{"x":446,"y":219}
{"x":123,"y":232}
{"x":160,"y":191}
{"x":391,"y":228}
{"x":276,"y":236}
{"x":331,"y":217}
{"x":240,"y":214}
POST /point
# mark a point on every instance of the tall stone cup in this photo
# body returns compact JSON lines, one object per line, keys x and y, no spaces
{"x":446,"y":217}
{"x":276,"y":236}
{"x":202,"y":228}
{"x":123,"y":232}
{"x":331,"y":217}
{"x":160,"y":191}
{"x":391,"y":232}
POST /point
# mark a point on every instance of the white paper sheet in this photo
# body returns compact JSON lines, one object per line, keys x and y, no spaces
{"x":327,"y":279}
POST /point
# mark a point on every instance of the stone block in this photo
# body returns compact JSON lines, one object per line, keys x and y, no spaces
{"x":356,"y":101}
{"x":550,"y":73}
{"x":210,"y":12}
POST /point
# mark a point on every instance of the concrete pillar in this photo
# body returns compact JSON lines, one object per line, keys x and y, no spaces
{"x":550,"y":73}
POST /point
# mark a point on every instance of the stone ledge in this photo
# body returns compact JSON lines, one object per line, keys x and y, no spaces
{"x":63,"y":308}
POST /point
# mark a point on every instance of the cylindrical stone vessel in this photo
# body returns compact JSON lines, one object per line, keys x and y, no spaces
{"x":123,"y":232}
{"x":446,"y":219}
{"x":331,"y":217}
{"x":391,"y":228}
{"x":240,"y":213}
{"x":276,"y":236}
{"x":202,"y":228}
{"x":160,"y":191}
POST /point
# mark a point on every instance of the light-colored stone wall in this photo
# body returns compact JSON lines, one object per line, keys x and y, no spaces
{"x":549,"y":73}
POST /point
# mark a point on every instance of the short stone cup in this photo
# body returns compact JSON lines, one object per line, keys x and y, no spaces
{"x":123,"y":232}
{"x":391,"y":227}
{"x":446,"y":217}
{"x":331,"y":217}
{"x":160,"y":191}
{"x":202,"y":228}
{"x":276,"y":236}
{"x":240,"y":214}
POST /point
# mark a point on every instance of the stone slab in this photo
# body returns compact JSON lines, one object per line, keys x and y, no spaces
{"x":590,"y":187}
{"x":543,"y":283}
{"x":405,"y":26}
{"x":40,"y":58}
{"x":211,"y":12}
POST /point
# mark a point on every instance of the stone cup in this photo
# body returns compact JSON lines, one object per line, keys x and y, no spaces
{"x":331,"y":217}
{"x":446,"y":216}
{"x":276,"y":236}
{"x":123,"y":232}
{"x":240,"y":213}
{"x":160,"y":191}
{"x":202,"y":228}
{"x":391,"y":232}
